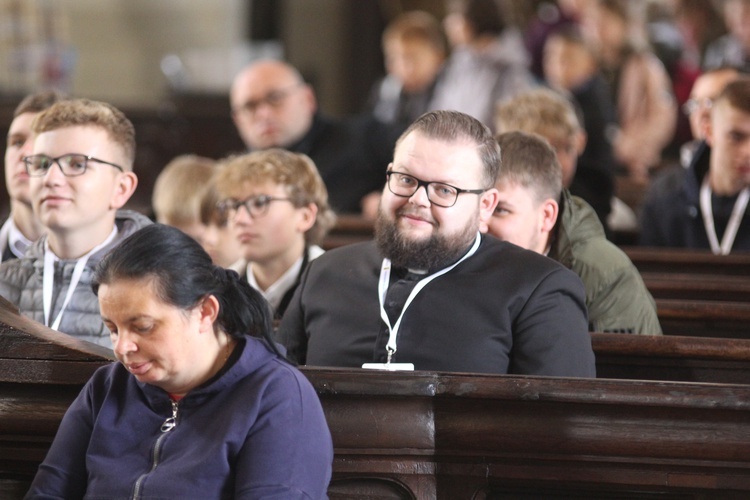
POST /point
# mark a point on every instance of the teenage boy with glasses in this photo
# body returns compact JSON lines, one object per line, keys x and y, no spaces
{"x":277,"y":205}
{"x":80,"y":175}
{"x":432,"y":293}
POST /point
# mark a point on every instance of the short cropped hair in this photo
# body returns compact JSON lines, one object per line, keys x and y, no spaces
{"x":529,"y":161}
{"x":179,"y":190}
{"x":452,"y":126}
{"x":539,"y":111}
{"x":296,"y":172}
{"x":737,"y":94}
{"x":573,"y":34}
{"x":38,"y":102}
{"x":85,"y":112}
{"x":484,"y":16}
{"x":419,"y":26}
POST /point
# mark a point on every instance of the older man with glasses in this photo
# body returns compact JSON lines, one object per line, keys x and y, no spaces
{"x":432,"y":293}
{"x":272,"y":106}
{"x":80,"y":174}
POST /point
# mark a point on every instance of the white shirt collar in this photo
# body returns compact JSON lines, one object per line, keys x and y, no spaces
{"x":13,"y":238}
{"x":274,"y":293}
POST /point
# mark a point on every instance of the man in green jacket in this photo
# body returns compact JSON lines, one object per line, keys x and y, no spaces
{"x":536,"y":213}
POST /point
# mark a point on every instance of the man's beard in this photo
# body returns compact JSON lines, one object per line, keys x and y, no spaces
{"x":427,"y":254}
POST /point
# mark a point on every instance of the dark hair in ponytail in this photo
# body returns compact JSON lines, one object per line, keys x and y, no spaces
{"x":183,"y":275}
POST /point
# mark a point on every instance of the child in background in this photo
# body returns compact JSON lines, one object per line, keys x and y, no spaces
{"x":178,"y":191}
{"x":414,"y":47}
{"x":219,"y":239}
{"x":277,"y":204}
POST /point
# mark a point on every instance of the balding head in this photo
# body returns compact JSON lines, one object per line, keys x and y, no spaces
{"x":272,"y":106}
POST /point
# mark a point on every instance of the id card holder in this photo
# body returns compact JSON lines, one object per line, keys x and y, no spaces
{"x":391,"y":367}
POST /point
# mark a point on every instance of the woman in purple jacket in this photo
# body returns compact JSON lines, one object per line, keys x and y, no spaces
{"x":201,"y":404}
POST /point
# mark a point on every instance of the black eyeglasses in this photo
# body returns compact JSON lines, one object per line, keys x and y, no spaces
{"x":273,"y":99}
{"x":439,"y":193}
{"x":255,"y":205}
{"x":71,"y":165}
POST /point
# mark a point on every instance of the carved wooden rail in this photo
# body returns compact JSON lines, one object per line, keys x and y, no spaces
{"x":431,"y":435}
{"x":672,"y":358}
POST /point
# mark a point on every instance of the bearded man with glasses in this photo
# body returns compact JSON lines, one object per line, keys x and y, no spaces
{"x":432,"y":293}
{"x":80,"y":176}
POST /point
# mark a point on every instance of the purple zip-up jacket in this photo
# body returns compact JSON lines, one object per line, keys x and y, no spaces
{"x":256,"y":430}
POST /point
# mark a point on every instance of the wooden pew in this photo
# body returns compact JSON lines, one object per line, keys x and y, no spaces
{"x":666,"y":285}
{"x":41,"y":372}
{"x":704,"y":318}
{"x":672,"y":358}
{"x":674,"y":260}
{"x":431,"y":435}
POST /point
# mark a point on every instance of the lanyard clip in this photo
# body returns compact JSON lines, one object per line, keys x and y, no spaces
{"x":391,"y":351}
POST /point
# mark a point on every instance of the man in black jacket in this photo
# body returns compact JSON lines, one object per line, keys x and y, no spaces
{"x":272,"y":106}
{"x":432,"y":293}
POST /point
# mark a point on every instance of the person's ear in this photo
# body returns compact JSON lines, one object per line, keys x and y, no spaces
{"x":124,"y":188}
{"x":550,"y":210}
{"x":208,"y":312}
{"x":306,"y":217}
{"x":487,"y":203}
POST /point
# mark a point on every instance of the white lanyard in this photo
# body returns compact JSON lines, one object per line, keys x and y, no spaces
{"x":385,"y":277}
{"x":730,"y":233}
{"x":48,"y":278}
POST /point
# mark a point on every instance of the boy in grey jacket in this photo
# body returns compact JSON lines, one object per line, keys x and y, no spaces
{"x":80,"y":175}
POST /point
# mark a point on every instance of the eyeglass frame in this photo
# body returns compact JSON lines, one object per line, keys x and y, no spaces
{"x":222,"y":207}
{"x":274,"y":99}
{"x":27,"y":159}
{"x":694,"y":104}
{"x":426,"y":185}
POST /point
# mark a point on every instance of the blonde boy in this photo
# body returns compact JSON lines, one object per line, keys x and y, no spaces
{"x":80,"y":176}
{"x":278,"y":206}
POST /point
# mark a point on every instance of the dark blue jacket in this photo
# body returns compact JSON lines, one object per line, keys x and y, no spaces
{"x":671,"y":214}
{"x":256,"y":430}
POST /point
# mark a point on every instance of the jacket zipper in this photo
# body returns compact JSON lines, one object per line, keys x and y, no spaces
{"x":169,"y":424}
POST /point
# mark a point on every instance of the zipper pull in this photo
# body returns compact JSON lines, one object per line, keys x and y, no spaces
{"x":171,"y":422}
